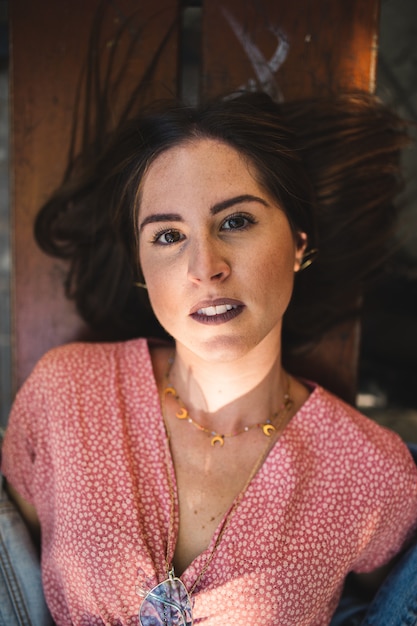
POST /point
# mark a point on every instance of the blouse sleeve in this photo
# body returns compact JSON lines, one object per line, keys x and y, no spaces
{"x":26,"y":434}
{"x":392,"y":518}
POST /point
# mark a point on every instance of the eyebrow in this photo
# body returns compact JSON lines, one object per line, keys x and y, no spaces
{"x":216,"y":208}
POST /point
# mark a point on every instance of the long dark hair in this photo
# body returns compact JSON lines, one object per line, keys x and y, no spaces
{"x":331,"y":163}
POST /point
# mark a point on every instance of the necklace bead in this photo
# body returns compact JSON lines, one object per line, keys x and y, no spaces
{"x":267,"y":427}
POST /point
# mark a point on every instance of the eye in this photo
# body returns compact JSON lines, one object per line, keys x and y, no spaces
{"x":167,"y":237}
{"x":240,"y":221}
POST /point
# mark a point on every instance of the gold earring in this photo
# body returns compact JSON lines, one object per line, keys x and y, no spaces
{"x":308,"y":258}
{"x":142,"y":285}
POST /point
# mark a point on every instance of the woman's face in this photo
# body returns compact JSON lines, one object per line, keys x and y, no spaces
{"x":217,"y":253}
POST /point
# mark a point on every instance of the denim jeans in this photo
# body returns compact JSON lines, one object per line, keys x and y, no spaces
{"x":395,"y":603}
{"x":21,"y":597}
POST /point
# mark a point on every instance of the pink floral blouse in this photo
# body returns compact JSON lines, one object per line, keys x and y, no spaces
{"x":87,"y":446}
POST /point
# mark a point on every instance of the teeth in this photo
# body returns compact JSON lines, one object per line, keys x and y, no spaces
{"x":216,"y":310}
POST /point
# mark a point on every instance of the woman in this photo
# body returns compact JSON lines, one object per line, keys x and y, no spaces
{"x":196,"y":480}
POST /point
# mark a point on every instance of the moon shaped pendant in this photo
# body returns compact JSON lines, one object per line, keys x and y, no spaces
{"x":217,"y":439}
{"x":170,"y":390}
{"x":182,"y":414}
{"x":268,"y":429}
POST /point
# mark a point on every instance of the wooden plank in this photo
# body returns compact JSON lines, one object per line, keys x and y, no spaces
{"x":50,"y":39}
{"x":291,"y":49}
{"x":333,"y":362}
{"x":294,"y":50}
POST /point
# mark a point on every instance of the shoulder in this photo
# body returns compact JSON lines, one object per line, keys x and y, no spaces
{"x":71,"y":372}
{"x":341,"y":419}
{"x":83,"y":361}
{"x":346,"y":439}
{"x":366,"y":470}
{"x":85,"y":352}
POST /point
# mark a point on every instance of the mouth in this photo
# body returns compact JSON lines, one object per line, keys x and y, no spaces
{"x":216,"y":312}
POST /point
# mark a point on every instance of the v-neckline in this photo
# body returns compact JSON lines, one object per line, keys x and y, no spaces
{"x":197,"y":564}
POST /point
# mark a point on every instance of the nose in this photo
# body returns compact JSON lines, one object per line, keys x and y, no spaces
{"x":207,"y":262}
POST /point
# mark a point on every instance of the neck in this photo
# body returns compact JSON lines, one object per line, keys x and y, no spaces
{"x":252,"y":385}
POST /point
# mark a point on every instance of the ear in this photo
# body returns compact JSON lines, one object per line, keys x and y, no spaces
{"x":301,"y":245}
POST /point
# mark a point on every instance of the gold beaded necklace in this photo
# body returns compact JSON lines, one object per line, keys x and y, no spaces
{"x":267,"y":427}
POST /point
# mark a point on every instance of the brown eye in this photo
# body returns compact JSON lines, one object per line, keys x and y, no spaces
{"x":168,"y":237}
{"x":237,"y":222}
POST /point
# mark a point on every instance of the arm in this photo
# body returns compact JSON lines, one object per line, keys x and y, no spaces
{"x":28,"y":513}
{"x":370,"y":582}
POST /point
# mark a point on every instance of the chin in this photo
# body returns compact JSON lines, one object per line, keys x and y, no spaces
{"x":223,"y":349}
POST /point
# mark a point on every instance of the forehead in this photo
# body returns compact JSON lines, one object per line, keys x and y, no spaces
{"x":199,"y":166}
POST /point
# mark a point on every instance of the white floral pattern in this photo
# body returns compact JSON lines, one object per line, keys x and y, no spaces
{"x":86,"y":445}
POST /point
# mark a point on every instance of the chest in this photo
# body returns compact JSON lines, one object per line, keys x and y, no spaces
{"x":277,"y":541}
{"x":203,"y":503}
{"x":211,"y":483}
{"x":283,"y":559}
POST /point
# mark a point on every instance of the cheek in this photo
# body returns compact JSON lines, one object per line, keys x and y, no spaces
{"x":152,"y":270}
{"x":275,"y":266}
{"x":163,"y":291}
{"x":163,"y":305}
{"x":158,"y":287}
{"x":272,"y":278}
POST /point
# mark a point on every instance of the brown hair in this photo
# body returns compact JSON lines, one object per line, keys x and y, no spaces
{"x":332,"y":164}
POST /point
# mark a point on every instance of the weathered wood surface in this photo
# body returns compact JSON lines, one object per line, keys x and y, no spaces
{"x":291,"y":49}
{"x":50,"y":39}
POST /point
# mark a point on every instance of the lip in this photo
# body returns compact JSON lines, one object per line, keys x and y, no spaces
{"x":234,"y":308}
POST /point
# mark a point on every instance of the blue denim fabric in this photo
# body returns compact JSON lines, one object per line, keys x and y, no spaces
{"x":21,"y":597}
{"x":352,"y":607}
{"x":395,"y":604}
